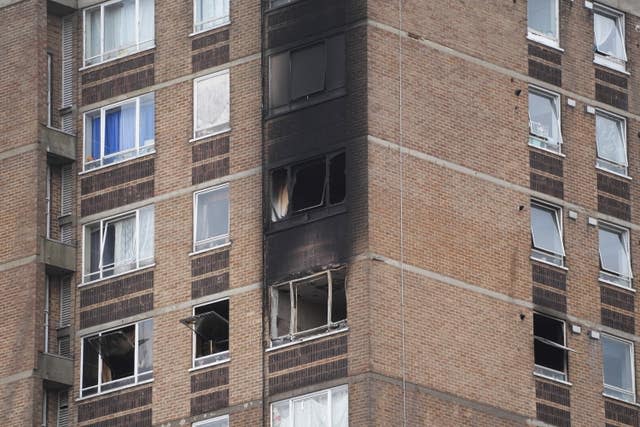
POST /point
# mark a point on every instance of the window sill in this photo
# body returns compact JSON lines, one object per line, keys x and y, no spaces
{"x":601,"y":280}
{"x":546,"y":150}
{"x":209,"y":365}
{"x":614,"y":173}
{"x":567,"y":383}
{"x":217,"y":27}
{"x":113,"y":390}
{"x":86,"y":172}
{"x":612,"y":64}
{"x":103,"y":279}
{"x":306,"y":339}
{"x":561,"y":267}
{"x":200,"y":252}
{"x":617,"y":399}
{"x":220,"y":132}
{"x":87,"y":67}
{"x":553,"y":44}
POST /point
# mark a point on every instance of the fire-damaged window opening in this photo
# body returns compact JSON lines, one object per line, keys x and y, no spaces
{"x":308,"y":185}
{"x":210,"y":326}
{"x":308,"y":306}
{"x":550,"y":349}
{"x":117,"y":358}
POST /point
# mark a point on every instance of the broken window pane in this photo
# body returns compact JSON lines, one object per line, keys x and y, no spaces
{"x":312,"y":298}
{"x":337,"y":179}
{"x":307,"y":71}
{"x":211,"y":327}
{"x":117,"y":350}
{"x":89,"y":367}
{"x":549,"y":347}
{"x":279,"y":194}
{"x":338,"y":298}
{"x":281,"y":310}
{"x":308,"y":185}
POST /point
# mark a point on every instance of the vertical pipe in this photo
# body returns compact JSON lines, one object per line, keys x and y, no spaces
{"x":46,"y":314}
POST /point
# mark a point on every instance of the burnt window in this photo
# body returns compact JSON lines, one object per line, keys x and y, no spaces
{"x":210,"y":325}
{"x":307,"y":185}
{"x":310,"y":72}
{"x":308,"y":306}
{"x":550,"y":350}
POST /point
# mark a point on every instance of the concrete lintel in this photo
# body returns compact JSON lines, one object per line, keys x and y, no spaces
{"x":57,"y":256}
{"x":55,"y":370}
{"x":60,"y":146}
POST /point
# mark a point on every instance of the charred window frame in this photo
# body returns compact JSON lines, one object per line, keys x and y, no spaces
{"x":550,"y":347}
{"x":312,"y":184}
{"x":117,"y":358}
{"x":308,"y":306}
{"x":312,"y":73}
{"x":210,"y":326}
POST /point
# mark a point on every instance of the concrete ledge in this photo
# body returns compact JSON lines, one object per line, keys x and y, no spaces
{"x":60,"y":146}
{"x":55,"y":370}
{"x":628,"y":6}
{"x":58,"y":256}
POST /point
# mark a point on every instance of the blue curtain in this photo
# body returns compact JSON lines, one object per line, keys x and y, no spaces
{"x":95,"y":137}
{"x":112,"y":132}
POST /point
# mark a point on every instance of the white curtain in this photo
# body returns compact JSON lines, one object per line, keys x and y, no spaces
{"x":127,"y":126}
{"x":124,"y":251}
{"x":608,"y":37}
{"x":311,"y":412}
{"x":609,"y":140}
{"x":92,"y":33}
{"x":145,"y":346}
{"x":212,"y":108}
{"x":340,"y":407}
{"x":147,"y":28}
{"x":279,"y":195}
{"x":280,"y":414}
{"x":146,"y":234}
{"x":119,"y":25}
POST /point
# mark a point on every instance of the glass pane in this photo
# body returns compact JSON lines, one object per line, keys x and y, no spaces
{"x":545,"y":230}
{"x":543,"y":117}
{"x":613,"y":252}
{"x":280,"y":416}
{"x":146,"y":235}
{"x":340,"y":407}
{"x":616,"y":361}
{"x":123,"y":233}
{"x":279,"y":79}
{"x":92,"y":136}
{"x":307,"y":71}
{"x":212,"y":104}
{"x":146,"y":21}
{"x":92,"y":33}
{"x":608,"y":37}
{"x":92,"y":250}
{"x":212,"y":214}
{"x":337,"y":179}
{"x":210,"y":13}
{"x":219,"y":422}
{"x":542,"y":17}
{"x":119,"y":26}
{"x":147,"y":120}
{"x":89,"y":364}
{"x":145,"y":346}
{"x":311,"y":411}
{"x":336,"y":62}
{"x":609,"y":139}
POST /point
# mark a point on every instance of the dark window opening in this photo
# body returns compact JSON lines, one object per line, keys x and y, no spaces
{"x":210,"y":325}
{"x":118,"y":353}
{"x":308,"y":306}
{"x":550,"y":351}
{"x":304,"y":186}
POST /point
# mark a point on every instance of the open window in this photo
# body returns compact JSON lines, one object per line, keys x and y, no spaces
{"x":609,"y":37}
{"x":546,"y":233}
{"x":550,"y":350}
{"x":210,"y":326}
{"x":615,"y":262}
{"x":117,"y":358}
{"x":308,"y":185}
{"x":308,"y":306}
{"x":618,"y":368}
{"x":542,"y":18}
{"x":544,"y":120}
{"x":611,"y":143}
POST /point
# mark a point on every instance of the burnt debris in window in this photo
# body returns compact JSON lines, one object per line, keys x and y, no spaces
{"x":117,"y":349}
{"x":210,"y":325}
{"x":550,"y":352}
{"x":308,"y":185}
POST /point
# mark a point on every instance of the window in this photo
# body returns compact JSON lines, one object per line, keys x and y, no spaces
{"x":118,"y":244}
{"x":117,"y":358}
{"x":546,"y":233}
{"x":311,"y":184}
{"x":119,"y":132}
{"x":611,"y":143}
{"x":211,"y":104}
{"x":615,"y":262}
{"x":211,"y":218}
{"x":210,"y":325}
{"x":544,"y":120}
{"x":117,"y":28}
{"x":542,"y":16}
{"x":617,"y":365}
{"x":312,"y":72}
{"x":209,"y":14}
{"x":308,"y":306}
{"x":608,"y":31}
{"x":550,"y":350}
{"x":326,"y":407}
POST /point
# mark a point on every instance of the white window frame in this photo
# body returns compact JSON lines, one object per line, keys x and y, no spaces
{"x":146,"y":376}
{"x":329,"y":392}
{"x":201,"y":27}
{"x":611,"y":277}
{"x":137,"y":151}
{"x":537,"y":140}
{"x":618,"y":64}
{"x":536,"y":36}
{"x":223,"y":238}
{"x":139,"y":263}
{"x":216,"y":358}
{"x":222,"y":128}
{"x":621,"y":169}
{"x":612,"y":389}
{"x":549,"y":372}
{"x":543,"y":255}
{"x":140,"y":45}
{"x":203,"y":423}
